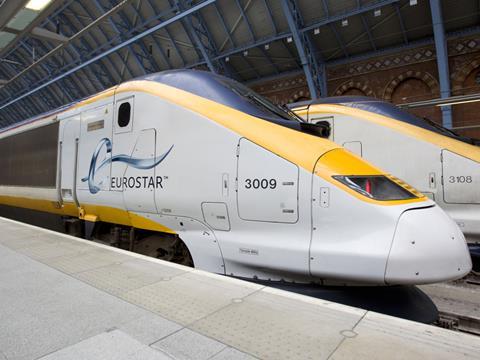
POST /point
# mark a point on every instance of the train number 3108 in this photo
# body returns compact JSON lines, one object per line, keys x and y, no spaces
{"x":260,"y":183}
{"x":460,"y":179}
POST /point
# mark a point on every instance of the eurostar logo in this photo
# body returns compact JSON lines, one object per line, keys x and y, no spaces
{"x":106,"y":144}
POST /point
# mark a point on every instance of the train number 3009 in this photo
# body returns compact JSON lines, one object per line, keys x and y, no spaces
{"x":260,"y":183}
{"x":460,"y":179}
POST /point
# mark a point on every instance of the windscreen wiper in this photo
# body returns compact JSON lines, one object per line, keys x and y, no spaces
{"x":273,"y":110}
{"x":441,"y":128}
{"x":291,"y":113}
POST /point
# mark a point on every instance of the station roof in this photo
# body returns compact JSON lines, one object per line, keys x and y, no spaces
{"x":248,"y":40}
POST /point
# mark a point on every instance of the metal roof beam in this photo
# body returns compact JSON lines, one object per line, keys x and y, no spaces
{"x":14,"y":113}
{"x":141,"y":43}
{"x":169,"y":35}
{"x":271,"y":62}
{"x":358,"y":10}
{"x":334,"y":29}
{"x":401,"y":22}
{"x":112,"y":23}
{"x":339,"y":39}
{"x":196,"y":33}
{"x":45,"y":34}
{"x":97,"y":23}
{"x":78,"y":50}
{"x":285,"y":34}
{"x":103,"y":74}
{"x":232,"y":71}
{"x":253,"y":37}
{"x":133,"y":39}
{"x":38,"y":105}
{"x":369,"y":33}
{"x":224,"y":24}
{"x":270,"y":17}
{"x":245,"y":60}
{"x":185,"y":28}
{"x":63,"y":91}
{"x":442,"y":59}
{"x":411,"y":45}
{"x":244,"y":17}
{"x":115,"y":26}
{"x":314,"y":72}
{"x":198,"y":25}
{"x":79,"y":82}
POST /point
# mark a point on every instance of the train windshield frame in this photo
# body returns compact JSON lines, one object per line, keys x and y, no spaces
{"x":377,"y":187}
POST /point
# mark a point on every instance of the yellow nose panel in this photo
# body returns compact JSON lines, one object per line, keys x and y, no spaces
{"x":343,"y":162}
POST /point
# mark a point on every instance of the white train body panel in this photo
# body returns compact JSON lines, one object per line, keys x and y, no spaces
{"x":450,"y":179}
{"x":238,"y":191}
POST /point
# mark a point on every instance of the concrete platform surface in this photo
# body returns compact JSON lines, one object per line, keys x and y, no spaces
{"x":67,"y":298}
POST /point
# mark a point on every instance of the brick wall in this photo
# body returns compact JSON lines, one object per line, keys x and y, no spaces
{"x":406,"y":76}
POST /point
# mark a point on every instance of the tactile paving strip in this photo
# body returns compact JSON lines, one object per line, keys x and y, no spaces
{"x":253,"y":325}
{"x":188,"y":297}
{"x":117,"y":279}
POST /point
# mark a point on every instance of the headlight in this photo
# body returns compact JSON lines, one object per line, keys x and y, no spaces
{"x":379,"y":187}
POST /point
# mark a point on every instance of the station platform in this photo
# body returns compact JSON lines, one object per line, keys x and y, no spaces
{"x":66,"y":298}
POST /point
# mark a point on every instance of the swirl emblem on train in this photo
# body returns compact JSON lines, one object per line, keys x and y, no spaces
{"x":106,"y":143}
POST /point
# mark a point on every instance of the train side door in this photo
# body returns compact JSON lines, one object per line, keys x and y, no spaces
{"x":68,"y":158}
{"x":133,"y":157}
{"x":94,"y":152}
{"x":267,"y":185}
{"x":122,"y":140}
{"x":461,"y":179}
{"x":139,"y":178}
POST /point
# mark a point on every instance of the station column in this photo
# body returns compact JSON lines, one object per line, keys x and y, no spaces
{"x":442,"y":59}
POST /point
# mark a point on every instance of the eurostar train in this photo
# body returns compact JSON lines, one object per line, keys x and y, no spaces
{"x":195,"y":168}
{"x":436,"y":161}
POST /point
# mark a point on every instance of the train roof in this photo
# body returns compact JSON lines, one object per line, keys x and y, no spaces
{"x":222,"y":90}
{"x":233,"y":94}
{"x":386,"y":109}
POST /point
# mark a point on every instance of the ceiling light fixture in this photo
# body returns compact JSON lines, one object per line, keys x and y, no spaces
{"x":345,"y":22}
{"x":316,"y":31}
{"x":37,"y":5}
{"x":377,"y":12}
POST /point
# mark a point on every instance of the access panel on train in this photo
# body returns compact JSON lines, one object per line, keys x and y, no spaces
{"x":461,"y":179}
{"x":267,"y":185}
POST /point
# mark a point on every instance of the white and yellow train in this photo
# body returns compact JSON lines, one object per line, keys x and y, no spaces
{"x":436,"y":161}
{"x":195,"y":168}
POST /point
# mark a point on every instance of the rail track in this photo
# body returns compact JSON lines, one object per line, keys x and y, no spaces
{"x":458,"y":303}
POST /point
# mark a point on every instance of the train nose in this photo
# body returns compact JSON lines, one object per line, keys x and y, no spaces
{"x":427,"y":247}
